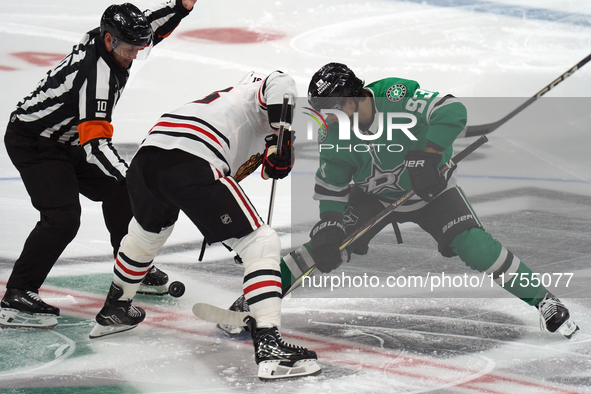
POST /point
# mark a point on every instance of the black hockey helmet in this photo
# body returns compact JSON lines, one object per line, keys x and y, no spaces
{"x":332,"y":81}
{"x":126,"y":23}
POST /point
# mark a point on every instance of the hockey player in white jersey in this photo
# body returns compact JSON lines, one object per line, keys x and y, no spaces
{"x":189,"y":162}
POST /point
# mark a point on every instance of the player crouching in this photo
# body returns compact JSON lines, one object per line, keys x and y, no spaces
{"x":187,"y":163}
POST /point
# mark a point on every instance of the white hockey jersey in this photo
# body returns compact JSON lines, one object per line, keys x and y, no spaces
{"x":226,"y":127}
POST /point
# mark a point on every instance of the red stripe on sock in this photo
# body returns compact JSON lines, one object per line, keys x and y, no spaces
{"x":130,"y":272}
{"x":265,"y":283}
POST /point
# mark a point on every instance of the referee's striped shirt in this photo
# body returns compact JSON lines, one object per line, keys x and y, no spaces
{"x":82,"y":91}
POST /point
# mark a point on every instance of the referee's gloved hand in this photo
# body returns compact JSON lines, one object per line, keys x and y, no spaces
{"x":326,"y":238}
{"x":423,"y":171}
{"x":278,"y":166}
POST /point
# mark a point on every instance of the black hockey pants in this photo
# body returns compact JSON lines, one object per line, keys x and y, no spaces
{"x":54,"y":175}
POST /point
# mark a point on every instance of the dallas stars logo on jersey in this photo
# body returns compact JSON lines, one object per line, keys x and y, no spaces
{"x":396,"y":92}
{"x":380,"y":180}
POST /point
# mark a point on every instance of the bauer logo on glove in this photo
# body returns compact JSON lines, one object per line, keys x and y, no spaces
{"x":278,"y":166}
{"x":424,"y":175}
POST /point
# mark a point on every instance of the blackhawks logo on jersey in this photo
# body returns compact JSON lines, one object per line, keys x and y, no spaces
{"x":396,"y":92}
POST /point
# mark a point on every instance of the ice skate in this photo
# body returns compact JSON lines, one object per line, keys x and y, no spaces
{"x":25,"y":309}
{"x":240,"y":305}
{"x":554,"y":316}
{"x":280,"y":360}
{"x":116,"y":316}
{"x":155,"y":282}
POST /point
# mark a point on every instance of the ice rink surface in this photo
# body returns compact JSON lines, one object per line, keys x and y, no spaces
{"x":530,"y":185}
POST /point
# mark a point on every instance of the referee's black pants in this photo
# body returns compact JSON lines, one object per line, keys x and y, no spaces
{"x":55,"y":175}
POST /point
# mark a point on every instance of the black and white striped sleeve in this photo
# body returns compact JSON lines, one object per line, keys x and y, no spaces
{"x":165,"y":18}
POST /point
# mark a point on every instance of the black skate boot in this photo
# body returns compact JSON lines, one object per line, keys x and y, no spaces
{"x":555,"y":317}
{"x":240,"y":305}
{"x":116,"y":316}
{"x":277,"y":359}
{"x":155,"y":282}
{"x":24,"y":308}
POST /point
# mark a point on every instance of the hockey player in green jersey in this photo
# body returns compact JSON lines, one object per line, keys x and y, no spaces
{"x":380,"y":161}
{"x":353,"y":183}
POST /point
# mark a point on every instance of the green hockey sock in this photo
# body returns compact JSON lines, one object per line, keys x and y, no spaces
{"x":480,"y":251}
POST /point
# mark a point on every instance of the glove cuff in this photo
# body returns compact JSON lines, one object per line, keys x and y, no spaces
{"x":330,"y":216}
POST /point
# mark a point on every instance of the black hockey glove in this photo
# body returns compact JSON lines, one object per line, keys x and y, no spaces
{"x":326,"y":238}
{"x":278,"y":166}
{"x":424,"y":174}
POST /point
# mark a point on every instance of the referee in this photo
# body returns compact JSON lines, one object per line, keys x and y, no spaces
{"x":59,"y":139}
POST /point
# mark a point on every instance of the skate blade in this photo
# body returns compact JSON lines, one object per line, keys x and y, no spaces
{"x":153,"y":290}
{"x":229,"y":330}
{"x":13,"y":318}
{"x":568,"y":328}
{"x":271,"y":370}
{"x":100,"y":331}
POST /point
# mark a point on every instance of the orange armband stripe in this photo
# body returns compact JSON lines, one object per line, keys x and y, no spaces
{"x":93,"y":129}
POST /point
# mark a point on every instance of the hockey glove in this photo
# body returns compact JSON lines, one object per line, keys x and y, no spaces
{"x":278,"y":166}
{"x":326,"y":238}
{"x":424,"y":174}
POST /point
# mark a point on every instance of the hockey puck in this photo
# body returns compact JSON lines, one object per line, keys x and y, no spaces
{"x":176,"y":289}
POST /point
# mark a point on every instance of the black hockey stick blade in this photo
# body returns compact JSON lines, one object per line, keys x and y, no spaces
{"x":214,"y":314}
{"x":476,"y":130}
{"x":386,"y":211}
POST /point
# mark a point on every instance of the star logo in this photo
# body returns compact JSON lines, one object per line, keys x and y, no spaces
{"x":381,"y":180}
{"x":396,"y":92}
{"x":349,"y":219}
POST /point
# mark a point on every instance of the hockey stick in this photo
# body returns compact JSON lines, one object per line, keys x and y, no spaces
{"x":214,"y":314}
{"x":390,"y":208}
{"x":282,"y":120}
{"x":219,"y":315}
{"x":472,"y":131}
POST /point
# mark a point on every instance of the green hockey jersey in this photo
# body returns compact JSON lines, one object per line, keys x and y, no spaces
{"x":377,"y":165}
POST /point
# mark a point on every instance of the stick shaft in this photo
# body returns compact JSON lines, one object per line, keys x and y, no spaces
{"x":282,"y":121}
{"x":482,"y":129}
{"x":390,"y":208}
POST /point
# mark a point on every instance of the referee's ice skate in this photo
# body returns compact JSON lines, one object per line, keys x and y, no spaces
{"x":277,"y":359}
{"x":25,"y":309}
{"x":116,"y":315}
{"x":156,"y":282}
{"x":555,"y":317}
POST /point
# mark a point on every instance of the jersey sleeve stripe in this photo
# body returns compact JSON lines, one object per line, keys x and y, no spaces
{"x":210,"y":136}
{"x":173,"y":135}
{"x":436,"y":104}
{"x":319,"y":182}
{"x":102,"y":153}
{"x":200,"y":121}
